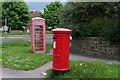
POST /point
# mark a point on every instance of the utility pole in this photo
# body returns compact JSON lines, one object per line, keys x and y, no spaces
{"x":5,"y":28}
{"x":6,"y":22}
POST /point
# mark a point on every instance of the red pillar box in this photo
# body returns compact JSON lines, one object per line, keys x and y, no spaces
{"x":61,"y":49}
{"x":38,"y":37}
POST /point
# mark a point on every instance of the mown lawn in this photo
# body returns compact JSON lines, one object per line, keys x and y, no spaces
{"x":83,"y":69}
{"x":19,"y":56}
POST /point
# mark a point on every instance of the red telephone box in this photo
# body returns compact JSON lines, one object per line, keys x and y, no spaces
{"x":61,"y":49}
{"x":38,"y":37}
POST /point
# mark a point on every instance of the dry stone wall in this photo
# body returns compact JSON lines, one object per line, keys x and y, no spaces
{"x":95,"y":47}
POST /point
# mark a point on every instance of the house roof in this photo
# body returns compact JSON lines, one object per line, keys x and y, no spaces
{"x":35,"y":14}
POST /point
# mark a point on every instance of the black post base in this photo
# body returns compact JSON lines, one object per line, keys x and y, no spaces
{"x":57,"y":73}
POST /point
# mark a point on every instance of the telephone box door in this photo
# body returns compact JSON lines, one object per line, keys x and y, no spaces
{"x":38,"y":37}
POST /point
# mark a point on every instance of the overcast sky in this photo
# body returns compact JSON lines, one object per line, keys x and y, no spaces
{"x":39,"y":6}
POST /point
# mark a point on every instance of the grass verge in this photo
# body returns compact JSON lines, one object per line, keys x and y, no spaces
{"x":19,"y":56}
{"x":83,"y":69}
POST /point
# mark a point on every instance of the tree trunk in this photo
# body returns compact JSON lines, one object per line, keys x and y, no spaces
{"x":8,"y":29}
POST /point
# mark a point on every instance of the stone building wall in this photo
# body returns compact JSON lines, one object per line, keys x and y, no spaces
{"x":95,"y":47}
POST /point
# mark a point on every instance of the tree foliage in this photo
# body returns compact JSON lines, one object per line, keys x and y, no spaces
{"x":92,"y":19}
{"x":0,"y":14}
{"x":17,"y":14}
{"x":51,"y":14}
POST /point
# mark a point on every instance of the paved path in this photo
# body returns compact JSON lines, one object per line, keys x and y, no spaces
{"x":83,"y":58}
{"x":8,"y":73}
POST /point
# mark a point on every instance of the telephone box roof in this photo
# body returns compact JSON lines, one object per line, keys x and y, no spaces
{"x":37,"y":18}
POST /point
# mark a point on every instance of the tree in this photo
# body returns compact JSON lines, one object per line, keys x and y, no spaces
{"x":76,"y":16}
{"x":91,"y":19}
{"x":51,"y":14}
{"x":16,"y":13}
{"x":0,"y":14}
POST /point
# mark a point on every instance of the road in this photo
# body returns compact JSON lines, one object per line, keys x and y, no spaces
{"x":10,"y":39}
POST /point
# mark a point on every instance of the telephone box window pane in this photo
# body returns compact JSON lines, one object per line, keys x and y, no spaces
{"x":38,"y":37}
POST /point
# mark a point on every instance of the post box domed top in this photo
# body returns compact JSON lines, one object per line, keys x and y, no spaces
{"x":37,"y":18}
{"x":61,"y":30}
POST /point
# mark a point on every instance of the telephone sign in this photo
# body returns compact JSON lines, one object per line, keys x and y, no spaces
{"x":38,"y":37}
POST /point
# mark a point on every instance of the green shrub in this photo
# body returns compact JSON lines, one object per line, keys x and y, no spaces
{"x":111,"y":31}
{"x":93,"y":29}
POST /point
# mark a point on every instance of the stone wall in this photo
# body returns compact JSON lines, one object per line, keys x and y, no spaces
{"x":95,"y":47}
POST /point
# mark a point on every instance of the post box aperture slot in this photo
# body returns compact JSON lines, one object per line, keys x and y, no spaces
{"x":54,"y":37}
